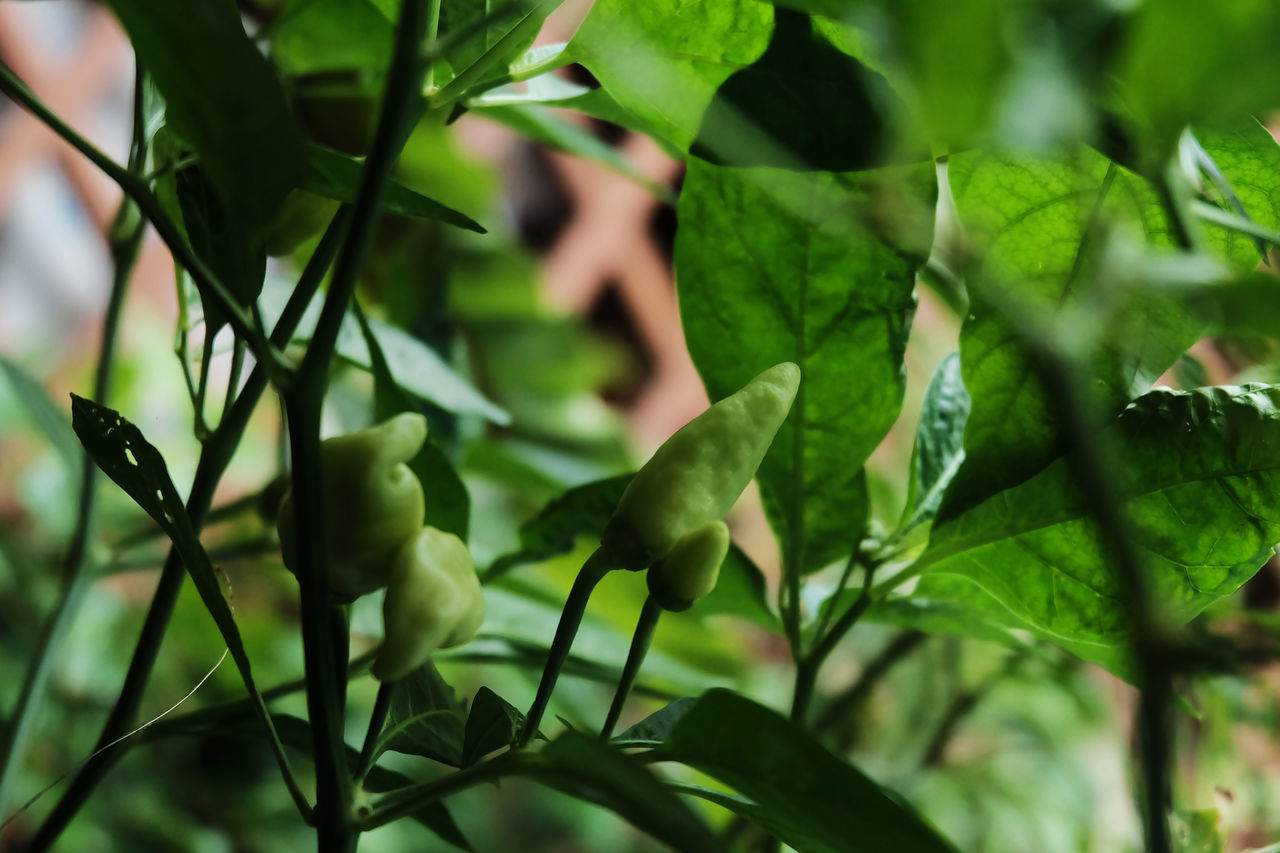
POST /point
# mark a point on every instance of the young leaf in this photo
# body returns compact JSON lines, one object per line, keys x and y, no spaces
{"x":492,"y":724}
{"x":335,"y":175}
{"x":580,"y":511}
{"x":939,"y":447}
{"x":585,"y":767}
{"x":792,"y":785}
{"x":780,"y":266}
{"x":426,"y":718}
{"x":654,"y":729}
{"x":1199,"y":474}
{"x":222,"y":97}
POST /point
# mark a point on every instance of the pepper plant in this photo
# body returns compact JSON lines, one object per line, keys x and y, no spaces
{"x":1087,"y":189}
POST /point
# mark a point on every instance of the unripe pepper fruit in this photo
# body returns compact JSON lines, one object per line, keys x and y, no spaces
{"x":697,"y":475}
{"x":433,"y":601}
{"x":690,"y":569}
{"x":372,"y":503}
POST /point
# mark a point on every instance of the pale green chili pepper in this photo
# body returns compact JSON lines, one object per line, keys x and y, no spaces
{"x":690,"y":569}
{"x":372,"y":504}
{"x":696,"y":476}
{"x":433,"y":601}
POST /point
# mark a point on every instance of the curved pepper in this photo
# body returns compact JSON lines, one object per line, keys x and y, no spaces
{"x":691,"y":568}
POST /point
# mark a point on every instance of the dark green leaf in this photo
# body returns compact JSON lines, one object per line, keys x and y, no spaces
{"x":782,"y":266}
{"x":1199,"y":473}
{"x":804,"y":795}
{"x":335,"y":175}
{"x":653,"y":729}
{"x":229,"y":245}
{"x":426,"y":718}
{"x":222,"y":97}
{"x":939,"y":447}
{"x":585,"y":767}
{"x":51,"y":422}
{"x":313,"y":36}
{"x":492,"y":724}
{"x":802,"y":105}
{"x":581,"y":511}
{"x":664,"y":60}
{"x":488,"y":52}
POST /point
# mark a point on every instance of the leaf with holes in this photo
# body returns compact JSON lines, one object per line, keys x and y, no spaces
{"x":779,"y":266}
{"x":136,"y":466}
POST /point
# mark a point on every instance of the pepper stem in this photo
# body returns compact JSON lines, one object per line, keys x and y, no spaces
{"x":645,"y":626}
{"x":599,"y":564}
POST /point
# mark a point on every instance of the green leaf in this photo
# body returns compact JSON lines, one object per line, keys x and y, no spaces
{"x":584,"y":767}
{"x":137,"y":467}
{"x":939,"y":447}
{"x":664,"y":60}
{"x":492,"y":724}
{"x":802,"y":105}
{"x":335,"y":175}
{"x":1035,"y":224}
{"x":1198,"y":831}
{"x":1246,"y":159}
{"x":654,"y":729}
{"x":426,"y":718}
{"x":227,"y":244}
{"x":580,"y":511}
{"x":51,"y":422}
{"x":496,"y":44}
{"x":791,"y":784}
{"x":778,"y":266}
{"x":222,"y":97}
{"x":1199,"y":475}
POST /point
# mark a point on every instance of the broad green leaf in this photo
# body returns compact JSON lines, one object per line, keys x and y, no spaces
{"x":939,"y":447}
{"x":1199,"y":475}
{"x":654,"y":729}
{"x":492,"y":724}
{"x":586,"y":768}
{"x":335,"y":175}
{"x":791,"y":784}
{"x":664,"y":60}
{"x":137,"y":467}
{"x":580,"y":511}
{"x":1247,"y":161}
{"x":1198,"y":831}
{"x":426,"y":718}
{"x":229,"y":245}
{"x":44,"y":414}
{"x":221,"y":96}
{"x":1036,"y":225}
{"x":779,"y":266}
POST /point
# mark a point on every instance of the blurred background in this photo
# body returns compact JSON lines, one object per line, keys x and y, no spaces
{"x":565,"y":316}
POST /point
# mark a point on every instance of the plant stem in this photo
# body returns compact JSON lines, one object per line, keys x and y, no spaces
{"x":851,"y":699}
{"x":324,"y":659}
{"x":377,"y":719}
{"x":807,"y":668}
{"x":599,"y":564}
{"x":963,"y":706}
{"x":214,"y":458}
{"x":645,"y":626}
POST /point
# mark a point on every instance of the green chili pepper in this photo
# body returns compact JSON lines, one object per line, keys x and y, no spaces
{"x":372,"y":502}
{"x":690,"y":569}
{"x":696,"y":476}
{"x":433,"y":601}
